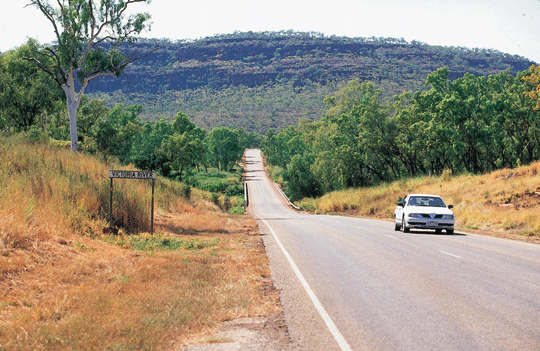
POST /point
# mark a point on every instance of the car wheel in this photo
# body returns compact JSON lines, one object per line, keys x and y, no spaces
{"x":404,"y":226}
{"x":449,"y":231}
{"x":397,"y":227}
{"x":438,"y":231}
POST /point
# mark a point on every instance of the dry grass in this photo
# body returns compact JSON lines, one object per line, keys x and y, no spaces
{"x":64,"y":285}
{"x":505,"y":202}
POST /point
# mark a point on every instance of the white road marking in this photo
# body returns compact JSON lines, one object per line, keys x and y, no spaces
{"x":449,"y":254}
{"x":343,"y":344}
{"x":391,"y":236}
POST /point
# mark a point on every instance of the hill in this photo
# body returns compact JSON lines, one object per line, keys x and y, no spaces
{"x":258,"y":81}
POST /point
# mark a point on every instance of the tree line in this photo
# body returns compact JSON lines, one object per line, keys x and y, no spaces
{"x":32,"y":102}
{"x":174,"y":149}
{"x":472,"y":124}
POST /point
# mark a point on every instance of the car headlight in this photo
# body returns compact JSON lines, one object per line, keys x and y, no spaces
{"x":415,"y":215}
{"x":448,"y":216}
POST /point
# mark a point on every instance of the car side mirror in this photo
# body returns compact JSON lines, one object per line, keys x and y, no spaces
{"x":450,"y":206}
{"x":401,"y":204}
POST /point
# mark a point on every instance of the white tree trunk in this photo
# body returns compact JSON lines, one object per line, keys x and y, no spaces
{"x":73,"y":100}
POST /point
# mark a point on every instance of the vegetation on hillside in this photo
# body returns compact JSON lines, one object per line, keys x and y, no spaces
{"x":472,"y":124}
{"x":257,"y":81}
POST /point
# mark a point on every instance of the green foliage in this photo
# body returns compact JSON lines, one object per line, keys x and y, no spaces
{"x":470,"y":124}
{"x":144,"y":149}
{"x":223,"y":148}
{"x":300,"y":180}
{"x":237,"y":210}
{"x":160,"y":242}
{"x":184,"y":149}
{"x":89,"y":115}
{"x":181,"y":152}
{"x":26,"y":92}
{"x":182,"y":123}
{"x":217,"y":181}
{"x":115,"y":134}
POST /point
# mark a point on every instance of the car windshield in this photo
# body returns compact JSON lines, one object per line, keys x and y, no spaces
{"x":429,"y":201}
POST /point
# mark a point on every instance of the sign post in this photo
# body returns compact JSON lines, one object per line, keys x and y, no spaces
{"x":133,"y":175}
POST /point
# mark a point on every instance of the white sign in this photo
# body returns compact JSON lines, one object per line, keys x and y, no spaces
{"x":132,"y":174}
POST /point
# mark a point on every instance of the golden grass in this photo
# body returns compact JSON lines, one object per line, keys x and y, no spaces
{"x":64,"y":285}
{"x":505,"y":202}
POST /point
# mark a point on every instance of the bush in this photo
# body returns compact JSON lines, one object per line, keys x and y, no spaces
{"x":237,"y":210}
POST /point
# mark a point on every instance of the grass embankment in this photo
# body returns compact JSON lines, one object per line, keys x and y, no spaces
{"x":65,"y":285}
{"x":504,"y":203}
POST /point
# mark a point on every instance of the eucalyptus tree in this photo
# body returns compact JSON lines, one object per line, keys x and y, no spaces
{"x":88,"y":36}
{"x":182,"y":146}
{"x":520,"y":122}
{"x":115,"y":134}
{"x":181,"y":152}
{"x":223,"y":147}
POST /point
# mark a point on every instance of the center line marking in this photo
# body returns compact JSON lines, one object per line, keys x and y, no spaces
{"x":449,"y":254}
{"x":390,"y":236}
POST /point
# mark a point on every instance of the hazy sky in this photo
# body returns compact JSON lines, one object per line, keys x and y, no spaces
{"x":510,"y":26}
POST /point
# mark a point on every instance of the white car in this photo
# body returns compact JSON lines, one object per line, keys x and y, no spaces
{"x":424,"y":211}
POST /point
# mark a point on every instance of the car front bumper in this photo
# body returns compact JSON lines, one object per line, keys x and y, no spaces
{"x":419,"y":223}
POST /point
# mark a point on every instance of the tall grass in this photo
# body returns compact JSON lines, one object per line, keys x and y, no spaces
{"x":503,"y":202}
{"x":65,"y":285}
{"x":74,"y":189}
{"x":49,"y":192}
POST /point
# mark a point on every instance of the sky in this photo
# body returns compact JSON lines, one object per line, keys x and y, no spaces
{"x":509,"y":26}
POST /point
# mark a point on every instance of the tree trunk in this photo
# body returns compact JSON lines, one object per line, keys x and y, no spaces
{"x":73,"y":101}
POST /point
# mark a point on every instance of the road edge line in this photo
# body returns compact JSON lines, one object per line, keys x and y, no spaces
{"x":343,"y":344}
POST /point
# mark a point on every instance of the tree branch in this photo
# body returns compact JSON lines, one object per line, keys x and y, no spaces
{"x":47,"y":14}
{"x":58,"y":65}
{"x":44,"y":68}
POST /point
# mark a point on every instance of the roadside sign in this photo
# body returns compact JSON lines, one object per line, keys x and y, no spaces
{"x":132,"y":175}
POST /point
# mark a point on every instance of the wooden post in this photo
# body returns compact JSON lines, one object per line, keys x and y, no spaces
{"x":110,"y":206}
{"x":152,"y":216}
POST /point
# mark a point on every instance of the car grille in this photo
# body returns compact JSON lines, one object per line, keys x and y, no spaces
{"x":425,"y":215}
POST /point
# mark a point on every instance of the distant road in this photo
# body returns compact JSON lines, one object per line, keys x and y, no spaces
{"x":350,"y":283}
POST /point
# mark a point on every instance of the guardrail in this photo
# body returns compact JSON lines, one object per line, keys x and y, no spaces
{"x":246,"y":196}
{"x":285,"y":196}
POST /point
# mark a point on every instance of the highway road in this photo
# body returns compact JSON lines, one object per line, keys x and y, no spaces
{"x":356,"y":284}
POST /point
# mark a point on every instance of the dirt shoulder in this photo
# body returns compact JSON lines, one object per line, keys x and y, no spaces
{"x":268,"y":332}
{"x":259,"y":333}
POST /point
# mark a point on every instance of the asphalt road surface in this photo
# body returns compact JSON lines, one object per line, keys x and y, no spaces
{"x":356,"y":284}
